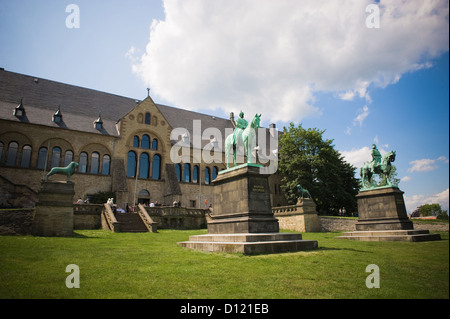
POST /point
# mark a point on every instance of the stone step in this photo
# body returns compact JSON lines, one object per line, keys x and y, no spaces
{"x":252,"y":248}
{"x":391,"y":235}
{"x":385,"y":232}
{"x":131,"y":223}
{"x":246,"y":237}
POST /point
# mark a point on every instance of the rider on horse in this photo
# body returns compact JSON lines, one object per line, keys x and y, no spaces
{"x":376,"y":157}
{"x":241,"y":124}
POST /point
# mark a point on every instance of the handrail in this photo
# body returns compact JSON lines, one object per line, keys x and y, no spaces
{"x":151,"y":225}
{"x":110,"y":219}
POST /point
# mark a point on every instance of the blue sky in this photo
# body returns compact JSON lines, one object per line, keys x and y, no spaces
{"x":310,"y":62}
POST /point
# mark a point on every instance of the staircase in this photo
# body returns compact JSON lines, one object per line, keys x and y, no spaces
{"x":131,"y":223}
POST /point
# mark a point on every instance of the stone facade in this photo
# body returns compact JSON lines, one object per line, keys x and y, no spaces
{"x":123,"y":146}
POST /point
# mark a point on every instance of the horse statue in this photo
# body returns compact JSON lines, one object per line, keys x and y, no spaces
{"x":382,"y":168}
{"x":68,"y":171}
{"x":245,"y":137}
{"x":303,"y":191}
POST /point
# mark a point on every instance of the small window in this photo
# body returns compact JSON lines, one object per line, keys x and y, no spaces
{"x":95,"y":163}
{"x":144,"y":165}
{"x":68,"y":158}
{"x":82,"y":167}
{"x":156,"y":167}
{"x":56,"y":157}
{"x":207,"y":175}
{"x":106,"y":164}
{"x":26,"y":156}
{"x":147,"y":118}
{"x":155,"y":144}
{"x":178,"y":171}
{"x":131,"y":164}
{"x":136,"y":141}
{"x":187,"y":173}
{"x":11,"y":154}
{"x":195,"y":174}
{"x":42,"y":158}
{"x":145,"y":141}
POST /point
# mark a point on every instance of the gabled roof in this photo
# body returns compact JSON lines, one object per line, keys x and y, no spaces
{"x":79,"y":106}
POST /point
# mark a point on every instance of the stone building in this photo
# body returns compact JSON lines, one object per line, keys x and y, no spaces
{"x":122,"y":145}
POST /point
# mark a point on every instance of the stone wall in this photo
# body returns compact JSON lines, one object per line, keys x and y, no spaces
{"x":328,"y":224}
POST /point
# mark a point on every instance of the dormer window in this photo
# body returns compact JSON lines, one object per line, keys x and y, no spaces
{"x":57,"y":116}
{"x":98,"y":123}
{"x":19,"y":110}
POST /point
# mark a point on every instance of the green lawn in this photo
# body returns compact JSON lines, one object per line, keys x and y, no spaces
{"x":149,"y":265}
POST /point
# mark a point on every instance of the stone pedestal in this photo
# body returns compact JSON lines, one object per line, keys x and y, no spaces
{"x":382,"y":209}
{"x":54,"y":211}
{"x":242,"y":220}
{"x":301,"y":217}
{"x":382,"y":217}
{"x":242,"y":203}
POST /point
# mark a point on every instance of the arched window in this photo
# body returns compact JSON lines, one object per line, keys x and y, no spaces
{"x":136,"y":141}
{"x":207,"y":175}
{"x":42,"y":158}
{"x":156,"y":167}
{"x":26,"y":156}
{"x":106,"y":164}
{"x":215,"y":171}
{"x":145,"y":141}
{"x":155,"y":144}
{"x":187,"y":173}
{"x":147,"y":118}
{"x":131,"y":164}
{"x":82,"y":167}
{"x":11,"y":154}
{"x":178,"y":171}
{"x":68,"y":158}
{"x":195,"y":174}
{"x":95,"y":163}
{"x":144,"y":165}
{"x":56,"y":157}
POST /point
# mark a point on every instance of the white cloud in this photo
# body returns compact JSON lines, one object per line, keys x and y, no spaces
{"x":357,"y":157}
{"x":272,"y":57}
{"x":405,"y":179}
{"x":414,"y":201}
{"x":362,"y":115}
{"x":426,"y":164}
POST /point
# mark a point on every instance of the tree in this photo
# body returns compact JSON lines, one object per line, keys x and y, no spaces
{"x":307,"y":159}
{"x":432,"y":210}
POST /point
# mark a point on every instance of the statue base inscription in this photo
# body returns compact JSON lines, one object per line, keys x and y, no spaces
{"x":382,"y":217}
{"x":242,"y":220}
{"x":54,"y":212}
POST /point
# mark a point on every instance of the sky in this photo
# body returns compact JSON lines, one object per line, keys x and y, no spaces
{"x":364,"y":71}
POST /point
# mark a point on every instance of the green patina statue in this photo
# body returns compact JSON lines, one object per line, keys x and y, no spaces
{"x":243,"y":135}
{"x":303,"y":192}
{"x":380,"y":165}
{"x":68,"y":171}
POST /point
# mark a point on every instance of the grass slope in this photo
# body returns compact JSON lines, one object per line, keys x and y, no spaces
{"x":149,"y":265}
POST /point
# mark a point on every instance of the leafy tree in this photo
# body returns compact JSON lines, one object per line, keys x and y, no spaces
{"x":307,"y":159}
{"x":432,"y":210}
